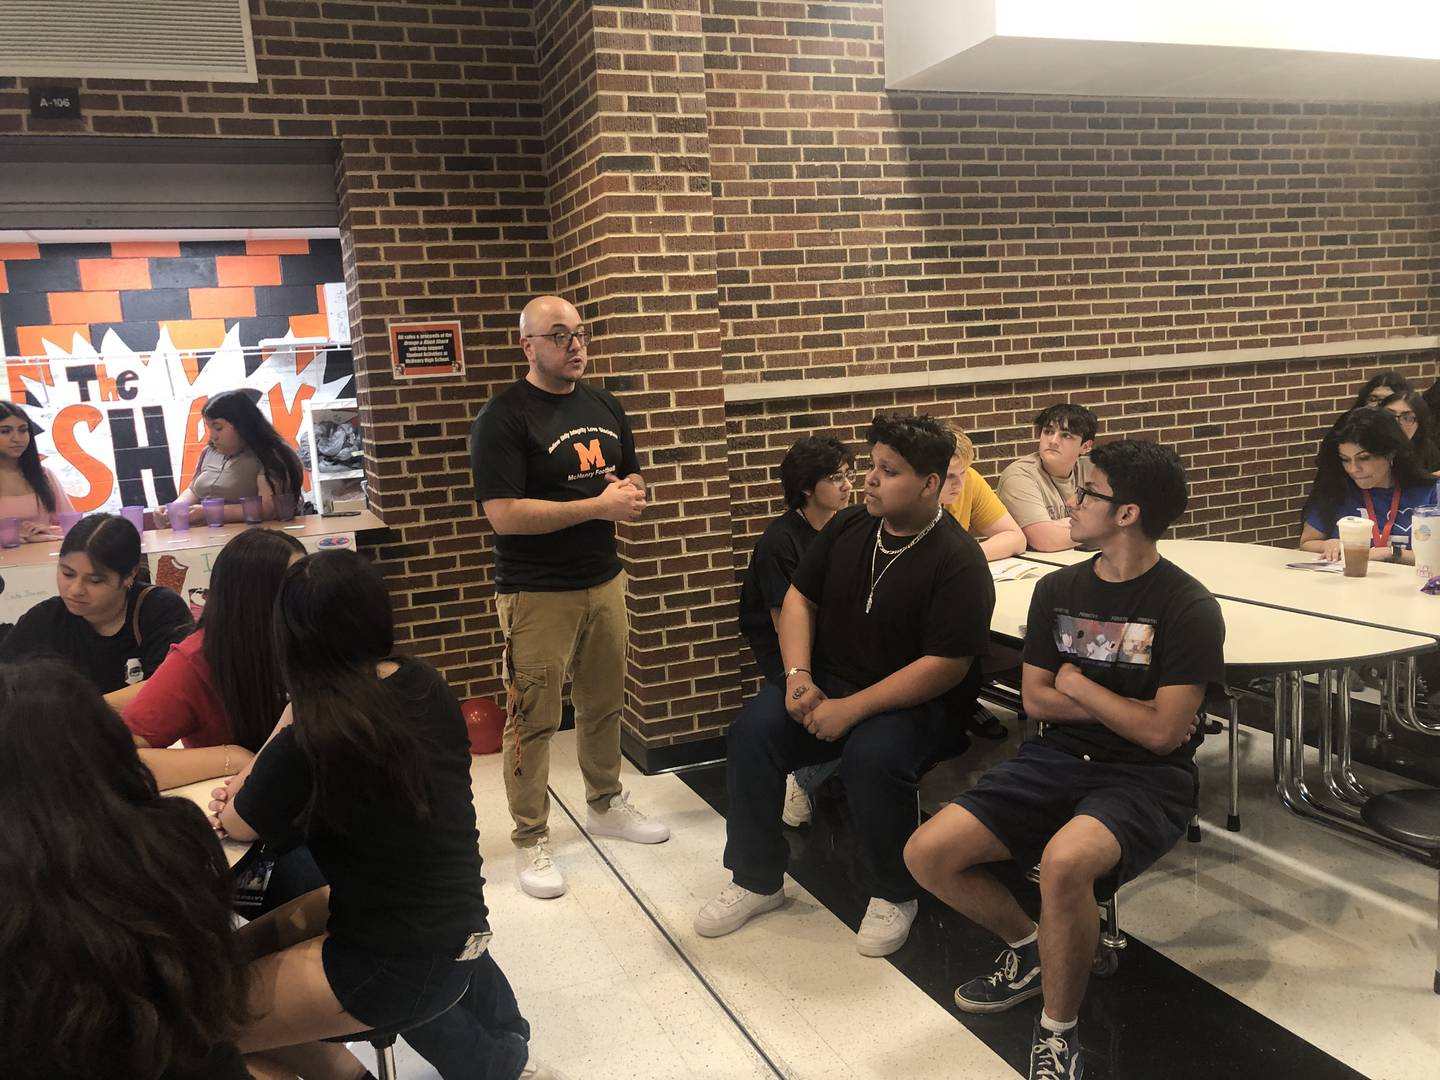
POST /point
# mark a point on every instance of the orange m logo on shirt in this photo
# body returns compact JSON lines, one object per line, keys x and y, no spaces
{"x":591,"y":456}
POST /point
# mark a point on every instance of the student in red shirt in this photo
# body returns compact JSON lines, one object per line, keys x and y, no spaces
{"x":219,"y":692}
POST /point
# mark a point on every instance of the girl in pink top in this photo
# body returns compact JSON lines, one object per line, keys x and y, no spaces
{"x":28,"y":490}
{"x":219,"y":692}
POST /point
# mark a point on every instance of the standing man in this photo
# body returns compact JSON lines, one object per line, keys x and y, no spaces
{"x":879,"y":632}
{"x":555,"y":468}
{"x":1038,"y":487}
{"x":1110,"y":785}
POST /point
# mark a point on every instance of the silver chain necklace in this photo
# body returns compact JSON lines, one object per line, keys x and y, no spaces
{"x":881,"y":548}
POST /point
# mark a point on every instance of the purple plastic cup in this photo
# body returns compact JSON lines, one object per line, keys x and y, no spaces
{"x":68,"y":520}
{"x":179,"y":513}
{"x":250,"y":507}
{"x":286,"y":503}
{"x":135,"y":515}
{"x":9,"y":532}
{"x":214,"y":512}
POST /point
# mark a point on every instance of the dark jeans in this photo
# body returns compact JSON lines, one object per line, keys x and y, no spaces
{"x":881,"y":762}
{"x":483,"y":1037}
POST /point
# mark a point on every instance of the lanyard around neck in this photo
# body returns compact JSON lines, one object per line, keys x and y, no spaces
{"x":1381,"y":539}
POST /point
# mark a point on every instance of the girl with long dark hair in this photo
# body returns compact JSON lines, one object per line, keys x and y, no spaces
{"x":246,"y":456}
{"x":371,"y":768}
{"x":1379,"y":387}
{"x":1417,"y":421}
{"x":220,"y":691}
{"x":116,"y":947}
{"x":106,"y":621}
{"x":1366,"y":467}
{"x":28,"y":490}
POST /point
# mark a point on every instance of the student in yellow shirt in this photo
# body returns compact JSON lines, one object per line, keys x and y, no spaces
{"x":973,"y":503}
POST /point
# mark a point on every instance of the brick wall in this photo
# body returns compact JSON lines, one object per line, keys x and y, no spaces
{"x":731,"y":195}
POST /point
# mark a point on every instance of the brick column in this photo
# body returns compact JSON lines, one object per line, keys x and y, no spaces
{"x":623,"y":91}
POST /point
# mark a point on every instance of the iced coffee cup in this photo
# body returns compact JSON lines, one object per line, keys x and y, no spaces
{"x":1355,"y":544}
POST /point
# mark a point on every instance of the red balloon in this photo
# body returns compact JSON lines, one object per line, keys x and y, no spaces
{"x":485,"y":720}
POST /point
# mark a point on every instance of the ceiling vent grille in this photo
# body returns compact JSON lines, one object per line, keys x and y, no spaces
{"x":182,"y":40}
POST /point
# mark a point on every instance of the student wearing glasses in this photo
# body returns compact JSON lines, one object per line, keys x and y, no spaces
{"x":817,"y":480}
{"x":1378,"y":388}
{"x":555,"y":468}
{"x":1417,"y":421}
{"x":1037,"y":487}
{"x":1119,"y":651}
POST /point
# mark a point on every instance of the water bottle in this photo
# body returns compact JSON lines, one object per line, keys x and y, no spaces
{"x":1425,"y":537}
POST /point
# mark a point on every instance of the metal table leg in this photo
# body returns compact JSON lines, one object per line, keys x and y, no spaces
{"x":1233,"y":821}
{"x":1405,"y":692}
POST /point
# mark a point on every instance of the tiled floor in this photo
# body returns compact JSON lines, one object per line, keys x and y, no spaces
{"x":1285,"y":950}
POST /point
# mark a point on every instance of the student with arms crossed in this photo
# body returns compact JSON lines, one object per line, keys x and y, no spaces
{"x":1110,"y":785}
{"x":1036,"y":488}
{"x":886,"y":615}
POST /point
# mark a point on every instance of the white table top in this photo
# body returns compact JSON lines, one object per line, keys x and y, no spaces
{"x":1256,"y":637}
{"x":199,"y":794}
{"x":1388,"y":596}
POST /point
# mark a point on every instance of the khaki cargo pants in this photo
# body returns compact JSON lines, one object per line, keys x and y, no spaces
{"x":551,"y":637}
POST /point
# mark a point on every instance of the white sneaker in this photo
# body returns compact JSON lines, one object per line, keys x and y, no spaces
{"x":537,"y":871}
{"x":624,"y":821}
{"x":885,"y":926}
{"x":733,"y":908}
{"x":535,"y":1071}
{"x":797,"y":804}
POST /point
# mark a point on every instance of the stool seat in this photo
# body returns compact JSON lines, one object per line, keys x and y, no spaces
{"x":1411,"y":816}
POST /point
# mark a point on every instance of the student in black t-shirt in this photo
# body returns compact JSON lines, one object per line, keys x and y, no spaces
{"x":555,"y":468}
{"x":117,"y":960}
{"x":816,"y":478}
{"x":1119,"y":651}
{"x":94,"y":622}
{"x":370,"y":767}
{"x":888,"y":610}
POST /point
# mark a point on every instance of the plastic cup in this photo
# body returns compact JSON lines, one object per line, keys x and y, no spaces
{"x":135,"y":515}
{"x":286,"y":504}
{"x":250,"y":507}
{"x":1425,"y":540}
{"x":1355,"y":534}
{"x":214,"y":512}
{"x":68,"y":520}
{"x":9,"y":532}
{"x":179,"y":513}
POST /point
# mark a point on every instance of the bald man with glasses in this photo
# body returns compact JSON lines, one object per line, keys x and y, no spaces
{"x":555,"y":468}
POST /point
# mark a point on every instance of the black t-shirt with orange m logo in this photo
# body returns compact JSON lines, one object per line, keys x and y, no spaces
{"x":529,"y":444}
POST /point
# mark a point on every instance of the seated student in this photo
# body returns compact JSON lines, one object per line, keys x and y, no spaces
{"x":1037,"y":487}
{"x":28,"y":490}
{"x":1366,"y":467}
{"x":816,"y":478}
{"x":370,"y":766}
{"x":219,"y":691}
{"x":887,"y":612}
{"x":115,"y":934}
{"x":1110,"y":784}
{"x":1417,"y":421}
{"x":245,"y":456}
{"x":970,"y":500}
{"x":108,"y":624}
{"x":1379,"y":387}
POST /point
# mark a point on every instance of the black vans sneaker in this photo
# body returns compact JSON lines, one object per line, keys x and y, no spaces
{"x":1055,"y":1055}
{"x":1017,"y":980}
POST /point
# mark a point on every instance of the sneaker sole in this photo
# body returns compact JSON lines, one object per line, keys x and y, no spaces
{"x":723,"y":929}
{"x":601,"y":830}
{"x":966,"y":1005}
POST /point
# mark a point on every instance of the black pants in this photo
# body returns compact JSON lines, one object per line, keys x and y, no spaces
{"x":881,"y":762}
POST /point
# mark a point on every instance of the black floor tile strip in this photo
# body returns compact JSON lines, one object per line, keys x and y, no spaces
{"x":1152,"y":1020}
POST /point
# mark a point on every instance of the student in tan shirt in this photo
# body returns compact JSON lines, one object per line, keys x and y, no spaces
{"x":1037,"y":488}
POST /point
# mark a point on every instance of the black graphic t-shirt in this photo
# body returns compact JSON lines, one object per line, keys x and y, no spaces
{"x":528,"y":444}
{"x":777,"y":554}
{"x":936,"y":599}
{"x":1132,"y":637}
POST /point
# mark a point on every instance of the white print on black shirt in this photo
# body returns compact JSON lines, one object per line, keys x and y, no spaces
{"x":1103,"y":641}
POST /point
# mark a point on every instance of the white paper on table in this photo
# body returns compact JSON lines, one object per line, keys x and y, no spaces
{"x":1325,"y":566}
{"x":1011,"y":569}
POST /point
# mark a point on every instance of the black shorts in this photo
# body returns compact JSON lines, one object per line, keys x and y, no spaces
{"x":1025,"y":801}
{"x":385,"y":990}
